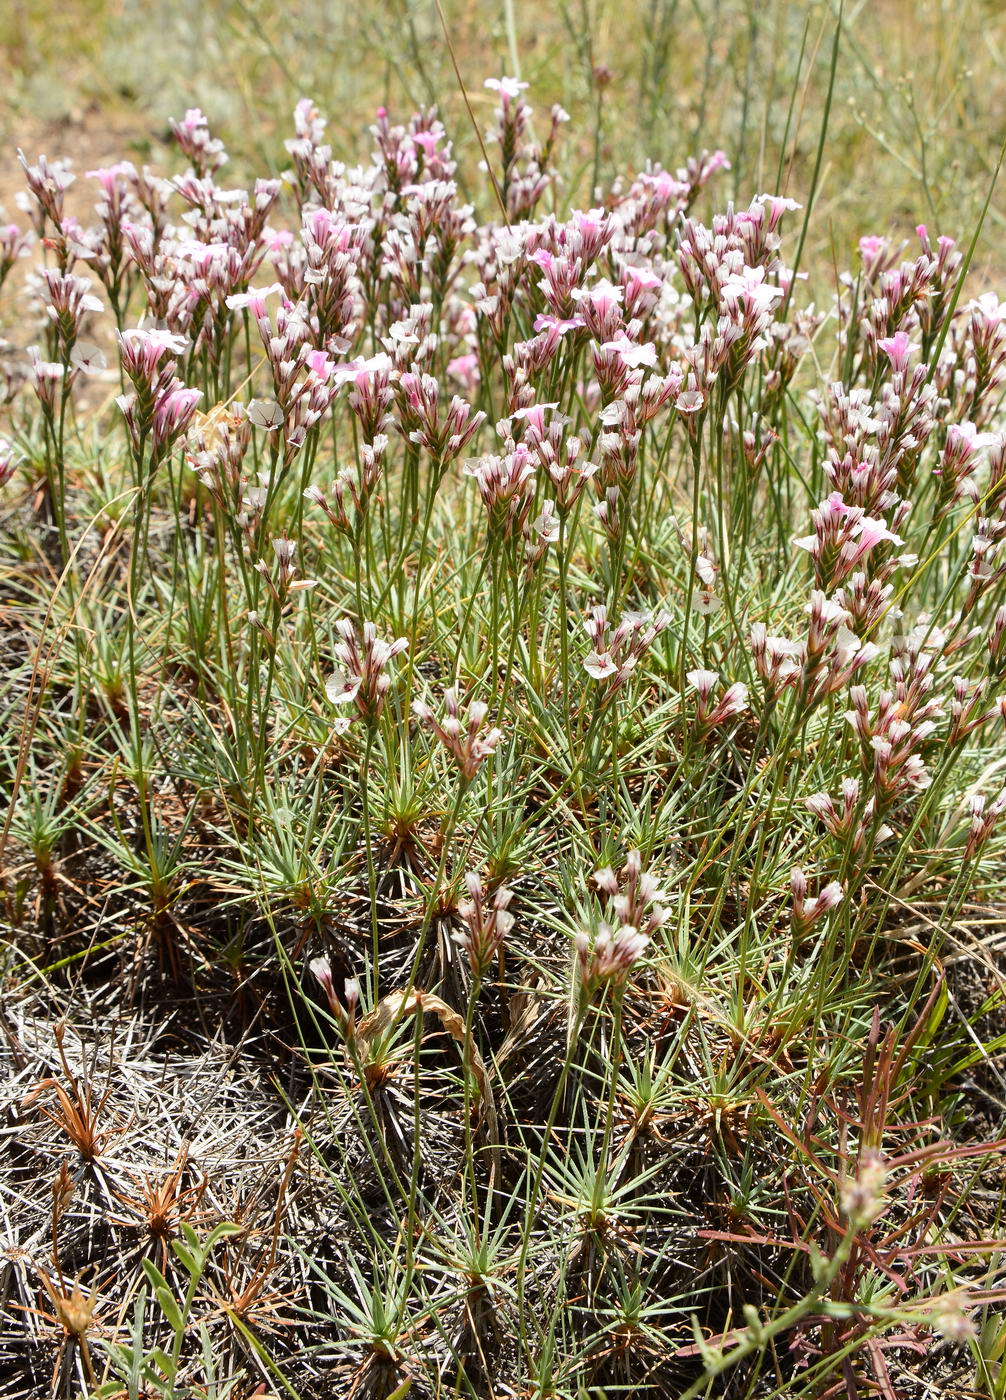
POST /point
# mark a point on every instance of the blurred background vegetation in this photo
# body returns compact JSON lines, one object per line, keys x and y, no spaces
{"x":916,"y":121}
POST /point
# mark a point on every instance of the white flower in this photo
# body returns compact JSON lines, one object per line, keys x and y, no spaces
{"x":341,"y":689}
{"x":599,"y":665}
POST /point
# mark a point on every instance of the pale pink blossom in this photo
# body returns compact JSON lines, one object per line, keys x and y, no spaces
{"x":631,"y":354}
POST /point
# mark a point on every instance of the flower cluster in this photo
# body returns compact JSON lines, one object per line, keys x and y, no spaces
{"x":160,"y":408}
{"x":486,"y":923}
{"x":713,"y":714}
{"x":359,"y":330}
{"x":635,"y":900}
{"x":464,"y":736}
{"x":582,"y":462}
{"x":807,"y":910}
{"x":344,"y":1008}
{"x":607,"y":959}
{"x":616,"y":653}
{"x":362,"y":677}
{"x":635,"y":896}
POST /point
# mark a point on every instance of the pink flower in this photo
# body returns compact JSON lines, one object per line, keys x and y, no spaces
{"x":465,"y":369}
{"x":637,"y":279}
{"x":690,"y":400}
{"x":615,"y":654}
{"x":193,"y":136}
{"x":506,"y":87}
{"x":703,"y":682}
{"x":319,"y":364}
{"x":965,"y":438}
{"x":733,"y":701}
{"x":632,"y":355}
{"x":506,"y":485}
{"x":635,"y":896}
{"x":108,"y":176}
{"x":556,"y":326}
{"x":871,"y":533}
{"x":172,"y":415}
{"x":806,"y":911}
{"x":254,"y":299}
{"x":611,"y":957}
{"x":897,"y":348}
{"x":362,"y":674}
{"x":46,"y":376}
{"x":776,"y":205}
{"x":142,"y":352}
{"x":750,"y":285}
{"x":465,"y":738}
{"x":603,"y":297}
{"x":344,"y":1010}
{"x":486,"y":925}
